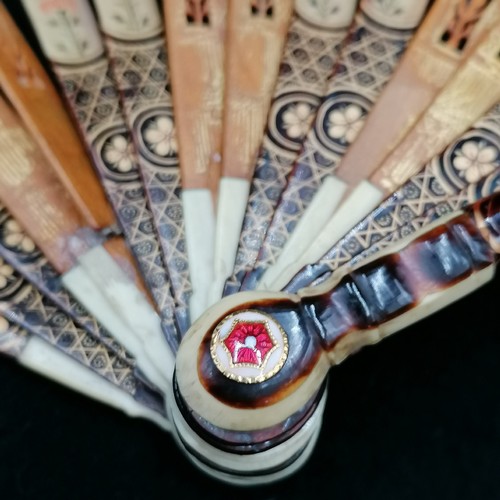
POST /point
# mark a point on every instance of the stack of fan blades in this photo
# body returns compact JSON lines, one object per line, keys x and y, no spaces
{"x":161,"y":156}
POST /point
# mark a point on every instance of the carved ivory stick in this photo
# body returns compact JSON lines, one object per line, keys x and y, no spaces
{"x":70,"y":38}
{"x":134,"y":37}
{"x":426,"y":66}
{"x":470,"y":93}
{"x":250,"y":372}
{"x":256,"y":33}
{"x":315,"y":37}
{"x":37,"y":354}
{"x":44,"y":208}
{"x":195,"y":45}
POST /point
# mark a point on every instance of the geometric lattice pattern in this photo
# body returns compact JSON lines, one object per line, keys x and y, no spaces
{"x":308,"y":59}
{"x":468,"y":170}
{"x":34,"y":267}
{"x":32,"y":310}
{"x":365,"y":65}
{"x":93,"y":98}
{"x":141,"y":74}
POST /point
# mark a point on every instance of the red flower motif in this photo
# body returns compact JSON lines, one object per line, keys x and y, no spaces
{"x":249,"y":343}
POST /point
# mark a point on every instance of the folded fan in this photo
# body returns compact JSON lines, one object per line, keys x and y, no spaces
{"x":257,"y":456}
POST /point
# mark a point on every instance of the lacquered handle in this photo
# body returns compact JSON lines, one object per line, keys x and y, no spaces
{"x":254,"y":364}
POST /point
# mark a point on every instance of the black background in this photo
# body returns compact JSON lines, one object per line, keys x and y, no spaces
{"x":414,"y":417}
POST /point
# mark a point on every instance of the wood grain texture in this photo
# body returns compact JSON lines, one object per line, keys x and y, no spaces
{"x":254,"y":48}
{"x":197,"y":87}
{"x":29,"y":88}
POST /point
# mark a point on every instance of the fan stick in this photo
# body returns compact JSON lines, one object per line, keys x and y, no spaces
{"x":196,"y":31}
{"x":445,"y":185}
{"x":439,"y":47}
{"x":469,"y":94}
{"x":39,"y":356}
{"x":30,"y":90}
{"x":314,"y":39}
{"x":70,"y":39}
{"x":40,"y":203}
{"x":20,"y":252}
{"x":135,"y":40}
{"x":379,"y":37}
{"x":23,"y":303}
{"x":426,"y":66}
{"x":256,"y":33}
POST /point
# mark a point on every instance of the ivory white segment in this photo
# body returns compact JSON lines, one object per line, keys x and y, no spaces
{"x":199,"y":223}
{"x":128,"y":301}
{"x":78,"y":282}
{"x":358,"y":205}
{"x":302,"y":443}
{"x":310,"y":225}
{"x":43,"y":359}
{"x":232,"y":201}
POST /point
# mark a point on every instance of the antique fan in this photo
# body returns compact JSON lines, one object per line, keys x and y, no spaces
{"x":394,"y":102}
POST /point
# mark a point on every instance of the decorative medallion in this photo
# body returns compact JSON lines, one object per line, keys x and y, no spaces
{"x":249,"y":347}
{"x":117,"y":154}
{"x":290,"y":118}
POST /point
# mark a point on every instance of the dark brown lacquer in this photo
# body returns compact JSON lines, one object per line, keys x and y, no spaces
{"x":262,"y":358}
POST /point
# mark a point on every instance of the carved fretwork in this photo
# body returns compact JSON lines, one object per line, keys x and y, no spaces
{"x":262,"y":8}
{"x":197,"y":11}
{"x":467,"y":14}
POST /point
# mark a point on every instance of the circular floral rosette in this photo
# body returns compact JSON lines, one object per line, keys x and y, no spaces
{"x":249,"y":347}
{"x":290,"y":119}
{"x":485,"y":187}
{"x":475,"y":156}
{"x":13,"y":238}
{"x":10,"y":281}
{"x":157,"y":137}
{"x":116,"y":151}
{"x":339,"y":120}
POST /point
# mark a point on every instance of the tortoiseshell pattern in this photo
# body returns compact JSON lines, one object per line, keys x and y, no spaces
{"x":141,"y":72}
{"x":352,"y":312}
{"x":365,"y":65}
{"x":309,"y":57}
{"x":447,"y":184}
{"x":19,"y":251}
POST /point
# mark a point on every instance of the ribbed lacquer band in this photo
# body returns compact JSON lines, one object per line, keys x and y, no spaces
{"x":24,"y":305}
{"x":448,"y":183}
{"x":19,"y":251}
{"x":83,"y":71}
{"x":136,"y":44}
{"x":308,"y":58}
{"x":323,"y":325}
{"x":365,"y":65}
